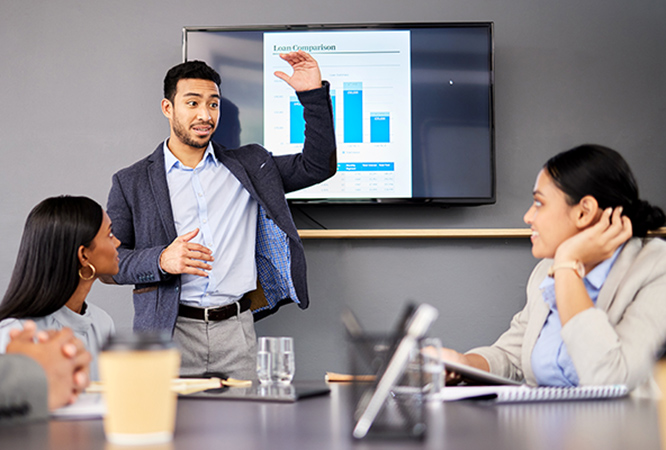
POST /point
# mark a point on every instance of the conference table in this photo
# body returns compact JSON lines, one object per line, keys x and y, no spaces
{"x":323,"y":423}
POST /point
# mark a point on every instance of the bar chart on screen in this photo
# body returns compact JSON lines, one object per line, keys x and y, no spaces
{"x":370,"y":88}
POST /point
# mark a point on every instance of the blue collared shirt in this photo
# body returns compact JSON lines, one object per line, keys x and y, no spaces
{"x":210,"y":198}
{"x":551,"y":363}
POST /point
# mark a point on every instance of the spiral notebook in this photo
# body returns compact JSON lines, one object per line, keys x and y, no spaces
{"x":525,"y":394}
{"x":547,"y":394}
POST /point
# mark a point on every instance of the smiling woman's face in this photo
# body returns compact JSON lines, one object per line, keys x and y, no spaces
{"x":551,"y":218}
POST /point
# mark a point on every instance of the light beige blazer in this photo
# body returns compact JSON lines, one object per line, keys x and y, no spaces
{"x":617,"y":342}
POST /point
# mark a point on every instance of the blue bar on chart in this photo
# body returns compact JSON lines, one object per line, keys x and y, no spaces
{"x":353,"y":112}
{"x":380,"y":130}
{"x":333,"y":104}
{"x":296,"y":122}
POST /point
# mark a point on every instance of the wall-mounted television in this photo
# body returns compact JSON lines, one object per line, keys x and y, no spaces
{"x":413,"y":105}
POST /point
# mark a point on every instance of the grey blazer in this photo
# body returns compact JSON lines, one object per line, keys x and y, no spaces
{"x":140,"y":209}
{"x":617,"y":342}
{"x":23,"y":389}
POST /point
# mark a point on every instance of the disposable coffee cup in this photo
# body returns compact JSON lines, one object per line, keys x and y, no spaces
{"x":136,"y":371}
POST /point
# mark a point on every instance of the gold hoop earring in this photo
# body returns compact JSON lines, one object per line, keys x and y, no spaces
{"x":91,"y":275}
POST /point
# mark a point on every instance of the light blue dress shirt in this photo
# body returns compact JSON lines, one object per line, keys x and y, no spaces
{"x":551,"y":363}
{"x":210,"y":198}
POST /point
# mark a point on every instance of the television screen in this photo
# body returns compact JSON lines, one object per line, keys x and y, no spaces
{"x":413,"y":105}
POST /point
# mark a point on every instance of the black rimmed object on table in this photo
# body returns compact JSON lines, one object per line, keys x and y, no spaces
{"x":385,"y":408}
{"x":274,"y":392}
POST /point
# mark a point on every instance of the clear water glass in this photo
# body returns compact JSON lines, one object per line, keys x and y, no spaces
{"x":286,"y":364}
{"x":266,"y":352}
{"x":433,"y":368}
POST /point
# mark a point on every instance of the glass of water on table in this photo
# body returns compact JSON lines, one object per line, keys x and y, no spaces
{"x":286,"y":365}
{"x":265,"y":350}
{"x":275,"y":360}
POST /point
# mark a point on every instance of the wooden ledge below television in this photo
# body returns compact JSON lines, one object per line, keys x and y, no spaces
{"x":435,"y":233}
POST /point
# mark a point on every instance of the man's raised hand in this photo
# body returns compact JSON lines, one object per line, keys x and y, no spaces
{"x":306,"y":74}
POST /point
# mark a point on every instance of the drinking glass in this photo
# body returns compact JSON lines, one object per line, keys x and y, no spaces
{"x":433,"y":368}
{"x":285,"y":365}
{"x":266,"y":354}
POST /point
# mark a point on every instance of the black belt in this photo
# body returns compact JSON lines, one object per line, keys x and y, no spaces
{"x":215,"y":314}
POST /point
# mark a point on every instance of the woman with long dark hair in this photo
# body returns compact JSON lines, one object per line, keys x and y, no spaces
{"x":596,"y":304}
{"x":67,"y":244}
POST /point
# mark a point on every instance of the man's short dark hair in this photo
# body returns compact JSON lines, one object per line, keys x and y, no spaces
{"x":197,"y":70}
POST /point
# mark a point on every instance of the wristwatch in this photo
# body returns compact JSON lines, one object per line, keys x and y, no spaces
{"x":577,"y":267}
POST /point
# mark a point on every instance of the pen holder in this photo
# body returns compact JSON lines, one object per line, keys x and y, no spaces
{"x":402,"y":410}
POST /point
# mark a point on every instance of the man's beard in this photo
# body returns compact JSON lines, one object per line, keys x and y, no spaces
{"x":181,"y":133}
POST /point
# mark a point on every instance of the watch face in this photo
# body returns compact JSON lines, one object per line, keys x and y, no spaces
{"x":580,"y":269}
{"x":577,"y":266}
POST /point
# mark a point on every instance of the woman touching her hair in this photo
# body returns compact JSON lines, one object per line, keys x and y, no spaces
{"x":596,"y":303}
{"x":67,"y":244}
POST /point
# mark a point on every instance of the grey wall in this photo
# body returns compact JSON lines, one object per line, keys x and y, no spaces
{"x":80,"y":84}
